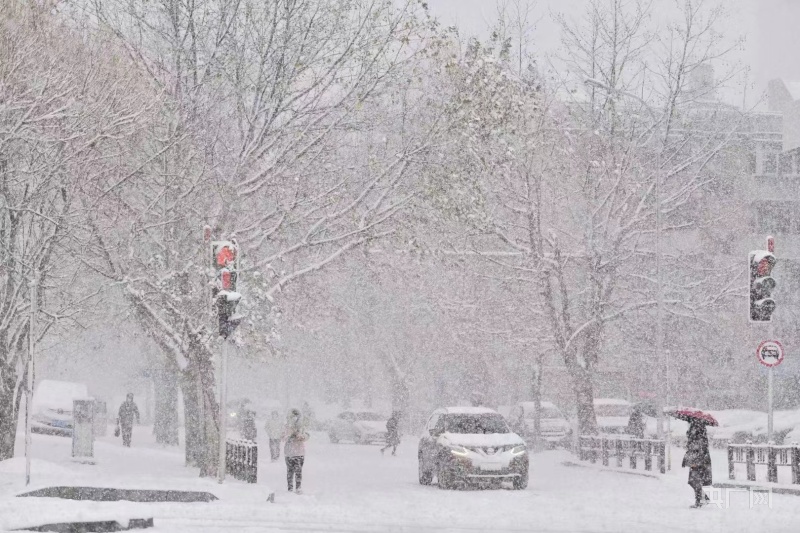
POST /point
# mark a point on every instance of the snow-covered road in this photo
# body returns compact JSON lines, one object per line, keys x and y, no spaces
{"x":353,"y":488}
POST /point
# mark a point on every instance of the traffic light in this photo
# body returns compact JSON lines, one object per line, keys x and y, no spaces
{"x":761,"y":285}
{"x":224,"y":261}
{"x":228,"y":318}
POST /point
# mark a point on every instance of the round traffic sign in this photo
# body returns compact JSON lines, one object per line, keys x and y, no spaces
{"x":770,"y":353}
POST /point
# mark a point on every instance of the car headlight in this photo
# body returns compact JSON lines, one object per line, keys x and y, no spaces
{"x":459,"y":450}
{"x":518,"y":450}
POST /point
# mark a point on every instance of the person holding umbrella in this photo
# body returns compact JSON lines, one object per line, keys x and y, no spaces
{"x":697,"y":457}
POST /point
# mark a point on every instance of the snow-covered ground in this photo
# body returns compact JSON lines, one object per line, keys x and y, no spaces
{"x":353,"y":488}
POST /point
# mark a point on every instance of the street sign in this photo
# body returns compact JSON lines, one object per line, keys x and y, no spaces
{"x":770,"y":353}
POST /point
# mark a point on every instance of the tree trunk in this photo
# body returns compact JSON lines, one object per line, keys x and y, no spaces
{"x":8,"y":412}
{"x":537,"y":405}
{"x":584,"y":400}
{"x":192,"y":418}
{"x":165,"y":425}
{"x":209,"y":418}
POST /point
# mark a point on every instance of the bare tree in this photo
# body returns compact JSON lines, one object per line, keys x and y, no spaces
{"x":293,"y":127}
{"x":69,"y":113}
{"x":566,"y":186}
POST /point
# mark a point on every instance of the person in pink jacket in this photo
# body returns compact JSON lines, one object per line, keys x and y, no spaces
{"x":294,"y":450}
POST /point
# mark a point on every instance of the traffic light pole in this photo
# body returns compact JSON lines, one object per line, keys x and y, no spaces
{"x":769,"y":404}
{"x":223,"y":414}
{"x":770,"y":391}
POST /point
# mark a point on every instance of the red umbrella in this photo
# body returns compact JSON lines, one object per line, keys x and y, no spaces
{"x":688,"y":414}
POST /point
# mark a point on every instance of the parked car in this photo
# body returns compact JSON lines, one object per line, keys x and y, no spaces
{"x":52,"y":406}
{"x":463,"y":445}
{"x":361,"y":427}
{"x":554,"y":426}
{"x":612,"y":415}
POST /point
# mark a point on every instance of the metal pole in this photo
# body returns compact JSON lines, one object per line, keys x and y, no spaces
{"x":223,"y":418}
{"x":770,"y":388}
{"x":668,"y":443}
{"x":659,"y":311}
{"x":29,"y":391}
{"x":769,"y":405}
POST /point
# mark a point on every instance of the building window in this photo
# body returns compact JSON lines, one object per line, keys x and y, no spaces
{"x":786,"y":164}
{"x":769,"y":161}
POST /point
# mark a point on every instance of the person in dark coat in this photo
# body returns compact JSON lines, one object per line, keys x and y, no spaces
{"x":392,"y":433}
{"x":127,"y":411}
{"x":249,"y":431}
{"x":636,"y":424}
{"x":698,"y":459}
{"x":294,"y":451}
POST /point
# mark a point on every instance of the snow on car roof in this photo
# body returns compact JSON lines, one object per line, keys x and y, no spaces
{"x":466,"y":410}
{"x":54,"y":394}
{"x":611,"y":401}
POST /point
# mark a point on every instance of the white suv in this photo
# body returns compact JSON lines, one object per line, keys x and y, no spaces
{"x":471,"y":445}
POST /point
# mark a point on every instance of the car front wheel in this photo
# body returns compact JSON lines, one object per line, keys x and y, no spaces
{"x":520,"y":482}
{"x":425,"y":476}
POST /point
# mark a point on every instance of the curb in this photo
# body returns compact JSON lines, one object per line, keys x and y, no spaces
{"x":629,"y":472}
{"x":775,"y":488}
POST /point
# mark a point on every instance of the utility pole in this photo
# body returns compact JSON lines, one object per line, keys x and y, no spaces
{"x":659,"y":313}
{"x":29,"y":392}
{"x":225,"y":263}
{"x":223,"y":413}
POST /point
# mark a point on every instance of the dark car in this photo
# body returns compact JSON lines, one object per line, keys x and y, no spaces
{"x":462,"y":445}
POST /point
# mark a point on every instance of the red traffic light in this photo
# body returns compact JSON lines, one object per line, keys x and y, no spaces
{"x":765,"y":266}
{"x":226,"y":280}
{"x":225,"y":256}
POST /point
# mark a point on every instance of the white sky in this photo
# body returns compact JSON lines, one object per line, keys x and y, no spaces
{"x":770,"y":28}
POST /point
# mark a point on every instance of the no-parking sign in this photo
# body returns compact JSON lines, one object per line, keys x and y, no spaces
{"x":770,"y":353}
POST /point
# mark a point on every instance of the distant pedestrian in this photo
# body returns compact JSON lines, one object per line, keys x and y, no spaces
{"x":698,"y":459}
{"x":294,"y":450}
{"x":274,"y":429}
{"x":127,"y":411}
{"x":248,"y":422}
{"x":392,"y":433}
{"x":636,"y":423}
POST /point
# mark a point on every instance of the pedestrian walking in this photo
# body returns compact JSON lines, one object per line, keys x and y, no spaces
{"x":698,"y":459}
{"x":294,"y":450}
{"x":127,"y":411}
{"x":248,"y":422}
{"x":636,"y":423}
{"x":274,"y":429}
{"x":392,"y":433}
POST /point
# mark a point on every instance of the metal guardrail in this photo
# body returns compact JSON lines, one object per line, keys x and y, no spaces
{"x":592,"y":447}
{"x":771,"y":455}
{"x":241,"y":460}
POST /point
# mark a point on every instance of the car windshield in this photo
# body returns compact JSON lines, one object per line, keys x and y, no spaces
{"x":373,"y":417}
{"x":484,"y":423}
{"x":612,"y":410}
